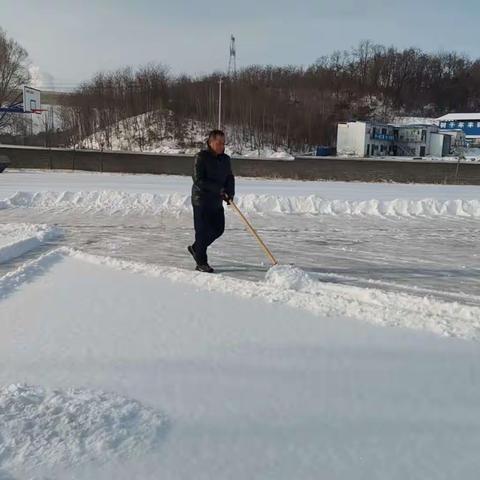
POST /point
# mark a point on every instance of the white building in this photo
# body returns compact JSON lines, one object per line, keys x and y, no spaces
{"x":362,"y":139}
{"x":418,"y":141}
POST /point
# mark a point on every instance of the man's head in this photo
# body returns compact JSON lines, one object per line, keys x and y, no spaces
{"x":216,"y":141}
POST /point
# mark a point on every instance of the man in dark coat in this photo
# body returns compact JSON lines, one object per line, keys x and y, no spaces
{"x":213,"y":183}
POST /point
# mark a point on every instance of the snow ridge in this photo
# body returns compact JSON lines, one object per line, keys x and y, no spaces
{"x":291,"y":286}
{"x":19,"y":238}
{"x":294,"y":287}
{"x":118,"y":202}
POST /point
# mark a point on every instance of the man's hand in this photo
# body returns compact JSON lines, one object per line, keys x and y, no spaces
{"x":225,"y":196}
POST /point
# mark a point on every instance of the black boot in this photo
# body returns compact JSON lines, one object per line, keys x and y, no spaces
{"x":204,"y":267}
{"x":201,"y":266}
{"x":192,"y":253}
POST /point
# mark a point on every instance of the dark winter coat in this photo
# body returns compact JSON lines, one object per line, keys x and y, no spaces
{"x":211,"y":174}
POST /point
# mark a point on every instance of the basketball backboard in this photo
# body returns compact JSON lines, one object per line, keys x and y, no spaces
{"x":31,"y":100}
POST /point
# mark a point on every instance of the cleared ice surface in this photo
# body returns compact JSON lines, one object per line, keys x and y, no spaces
{"x":252,"y":389}
{"x":438,"y":257}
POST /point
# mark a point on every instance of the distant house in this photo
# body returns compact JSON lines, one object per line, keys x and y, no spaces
{"x":468,"y":122}
{"x":364,"y":139}
{"x":458,"y":138}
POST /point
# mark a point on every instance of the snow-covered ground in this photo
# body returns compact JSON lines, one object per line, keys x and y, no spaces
{"x":471,"y":155}
{"x":118,"y":361}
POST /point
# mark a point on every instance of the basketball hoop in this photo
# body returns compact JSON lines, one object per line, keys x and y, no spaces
{"x":30,"y":102}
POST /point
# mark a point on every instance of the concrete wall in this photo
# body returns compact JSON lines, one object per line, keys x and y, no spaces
{"x":4,"y":162}
{"x":302,"y":168}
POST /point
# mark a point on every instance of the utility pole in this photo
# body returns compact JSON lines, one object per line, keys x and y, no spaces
{"x":220,"y":103}
{"x":45,"y":120}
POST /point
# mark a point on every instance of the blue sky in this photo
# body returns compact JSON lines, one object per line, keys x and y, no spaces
{"x":71,"y":40}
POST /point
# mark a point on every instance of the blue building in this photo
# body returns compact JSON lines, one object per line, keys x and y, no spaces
{"x":468,"y":122}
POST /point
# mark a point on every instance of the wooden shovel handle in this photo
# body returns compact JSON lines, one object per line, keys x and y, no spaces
{"x":268,"y":253}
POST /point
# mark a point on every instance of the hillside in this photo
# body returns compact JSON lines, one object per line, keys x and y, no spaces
{"x":159,"y":132}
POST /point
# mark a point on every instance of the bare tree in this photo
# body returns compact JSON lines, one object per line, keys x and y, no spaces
{"x":13,"y":73}
{"x":280,"y":107}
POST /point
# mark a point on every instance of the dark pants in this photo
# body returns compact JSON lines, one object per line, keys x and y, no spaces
{"x":209,"y":222}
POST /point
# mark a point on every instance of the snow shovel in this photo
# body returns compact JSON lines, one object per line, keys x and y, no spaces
{"x":268,"y":253}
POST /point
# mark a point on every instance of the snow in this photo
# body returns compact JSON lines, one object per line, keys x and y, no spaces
{"x":138,"y":194}
{"x":288,"y":277}
{"x":141,"y":203}
{"x":415,"y":121}
{"x":17,"y":239}
{"x":156,"y":132}
{"x":471,"y":156}
{"x":250,"y":388}
{"x":356,"y":357}
{"x":294,"y":287}
{"x":262,"y":153}
{"x":13,"y":180}
{"x":51,"y":427}
{"x":147,"y":132}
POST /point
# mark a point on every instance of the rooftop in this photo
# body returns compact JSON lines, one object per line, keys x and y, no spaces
{"x":460,"y":116}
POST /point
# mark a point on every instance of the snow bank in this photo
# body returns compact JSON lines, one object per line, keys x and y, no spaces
{"x":44,"y":427}
{"x":126,"y":202}
{"x":374,"y":305}
{"x":19,"y":238}
{"x":293,"y":287}
{"x":261,"y":153}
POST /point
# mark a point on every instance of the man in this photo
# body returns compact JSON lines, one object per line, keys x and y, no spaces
{"x":213,"y":183}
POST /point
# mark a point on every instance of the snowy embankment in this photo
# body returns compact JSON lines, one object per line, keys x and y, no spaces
{"x":288,"y":285}
{"x":293,"y":287}
{"x":139,"y":203}
{"x":157,"y":132}
{"x":19,"y":238}
{"x":137,"y":194}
